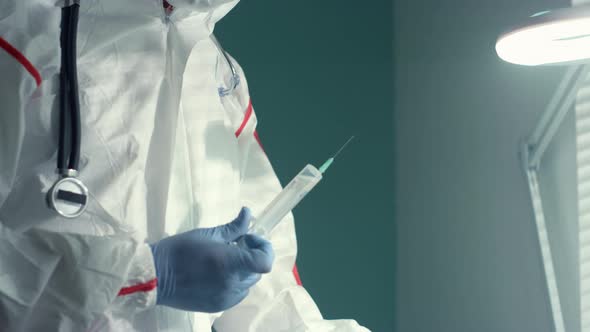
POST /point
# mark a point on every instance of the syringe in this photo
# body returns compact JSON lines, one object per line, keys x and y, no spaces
{"x":290,"y":196}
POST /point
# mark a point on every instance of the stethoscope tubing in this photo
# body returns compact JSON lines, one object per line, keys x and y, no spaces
{"x":69,"y":157}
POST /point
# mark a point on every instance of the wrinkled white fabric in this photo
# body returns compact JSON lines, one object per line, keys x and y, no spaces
{"x":160,"y":155}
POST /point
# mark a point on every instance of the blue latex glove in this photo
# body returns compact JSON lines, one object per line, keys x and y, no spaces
{"x":203,"y":270}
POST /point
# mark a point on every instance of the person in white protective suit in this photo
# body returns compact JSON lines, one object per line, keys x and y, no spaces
{"x":168,"y":146}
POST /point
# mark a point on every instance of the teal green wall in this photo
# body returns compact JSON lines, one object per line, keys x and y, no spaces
{"x":319,"y":72}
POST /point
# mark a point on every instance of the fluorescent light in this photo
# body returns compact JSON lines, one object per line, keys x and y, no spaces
{"x":554,"y":37}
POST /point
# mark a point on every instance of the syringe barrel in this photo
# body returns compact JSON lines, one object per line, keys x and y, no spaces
{"x":291,"y":195}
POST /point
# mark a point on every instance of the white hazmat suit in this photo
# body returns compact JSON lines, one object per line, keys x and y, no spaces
{"x":162,"y":153}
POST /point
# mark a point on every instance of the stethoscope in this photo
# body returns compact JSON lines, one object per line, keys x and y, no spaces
{"x":69,"y":196}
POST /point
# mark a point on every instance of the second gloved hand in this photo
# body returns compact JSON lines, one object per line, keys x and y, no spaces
{"x":202,"y":270}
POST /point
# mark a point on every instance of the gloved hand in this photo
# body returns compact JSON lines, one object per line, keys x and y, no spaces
{"x":203,"y":270}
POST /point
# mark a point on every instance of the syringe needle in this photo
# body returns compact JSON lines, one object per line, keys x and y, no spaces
{"x":344,"y":146}
{"x":330,"y":161}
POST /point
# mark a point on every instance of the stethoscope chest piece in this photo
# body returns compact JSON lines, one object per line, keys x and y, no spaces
{"x":68,"y":197}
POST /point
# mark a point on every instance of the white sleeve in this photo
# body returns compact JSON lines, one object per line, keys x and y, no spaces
{"x":200,"y":5}
{"x":55,"y":281}
{"x":277,"y":303}
{"x":61,"y":282}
